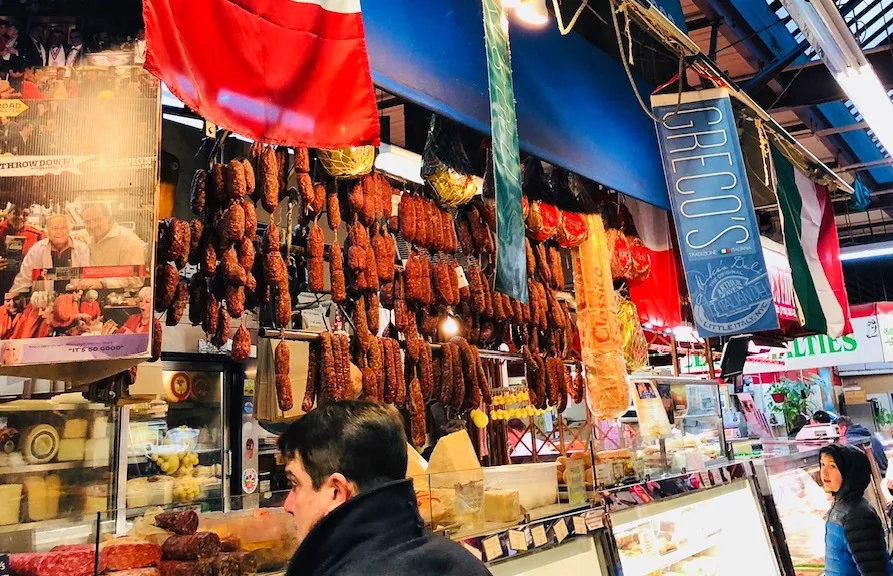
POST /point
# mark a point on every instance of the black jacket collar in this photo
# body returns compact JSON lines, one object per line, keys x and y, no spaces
{"x":368,"y":525}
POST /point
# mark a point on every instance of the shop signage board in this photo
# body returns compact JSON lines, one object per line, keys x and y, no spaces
{"x":511,"y":273}
{"x":78,"y":176}
{"x":863,"y":346}
{"x":715,"y":222}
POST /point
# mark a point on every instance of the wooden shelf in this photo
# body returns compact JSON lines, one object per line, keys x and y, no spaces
{"x":50,"y":467}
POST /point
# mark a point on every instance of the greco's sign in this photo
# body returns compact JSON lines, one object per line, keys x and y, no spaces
{"x":715,"y":222}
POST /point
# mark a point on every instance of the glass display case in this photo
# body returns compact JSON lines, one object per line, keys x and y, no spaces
{"x":54,"y":471}
{"x":675,"y":425}
{"x":176,"y":445}
{"x":699,"y":533}
{"x":802,"y":505}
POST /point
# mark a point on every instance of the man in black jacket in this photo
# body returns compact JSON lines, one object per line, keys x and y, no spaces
{"x":355,"y":512}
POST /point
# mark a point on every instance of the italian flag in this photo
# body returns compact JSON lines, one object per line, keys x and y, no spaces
{"x":810,"y":237}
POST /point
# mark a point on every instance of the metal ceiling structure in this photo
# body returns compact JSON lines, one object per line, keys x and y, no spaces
{"x":758,"y":45}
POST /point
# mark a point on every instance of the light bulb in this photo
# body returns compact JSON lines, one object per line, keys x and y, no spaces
{"x":532,"y":12}
{"x":450,"y":326}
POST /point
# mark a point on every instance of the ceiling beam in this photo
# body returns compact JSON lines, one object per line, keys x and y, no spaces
{"x":737,"y":31}
{"x":812,"y":84}
{"x":841,"y":129}
{"x":864,"y":165}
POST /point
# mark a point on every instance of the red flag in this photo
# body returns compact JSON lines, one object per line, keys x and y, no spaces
{"x":291,"y":72}
{"x":656,"y":296}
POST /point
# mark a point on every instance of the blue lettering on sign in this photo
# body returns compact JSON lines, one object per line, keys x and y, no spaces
{"x":714,"y":216}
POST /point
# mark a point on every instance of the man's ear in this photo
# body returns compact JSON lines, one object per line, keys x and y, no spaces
{"x":341,"y":489}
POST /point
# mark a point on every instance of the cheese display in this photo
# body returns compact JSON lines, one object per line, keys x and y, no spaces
{"x":97,"y":451}
{"x":43,"y":497}
{"x":454,"y":465}
{"x":11,"y":497}
{"x":437,"y":506}
{"x":607,"y":392}
{"x":95,"y":499}
{"x":536,"y":484}
{"x":40,"y":444}
{"x":75,"y":428}
{"x":177,"y":387}
{"x":150,"y":491}
{"x":71,"y":450}
{"x":502,"y":505}
{"x":416,"y":468}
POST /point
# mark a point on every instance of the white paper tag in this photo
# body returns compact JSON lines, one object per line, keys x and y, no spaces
{"x":538,"y":533}
{"x":460,"y":274}
{"x":517,"y":540}
{"x":474,"y":551}
{"x":595,"y":519}
{"x":580,"y":525}
{"x":395,"y":204}
{"x":560,"y":530}
{"x":210,"y":129}
{"x":492,"y":548}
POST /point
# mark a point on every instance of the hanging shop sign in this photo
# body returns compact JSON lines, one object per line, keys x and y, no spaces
{"x":511,"y":274}
{"x":781,"y":282}
{"x":715,"y":222}
{"x":78,"y":177}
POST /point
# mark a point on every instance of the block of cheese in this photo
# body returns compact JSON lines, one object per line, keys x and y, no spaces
{"x":97,"y":451}
{"x":75,"y":428}
{"x":437,"y":506}
{"x":43,"y":497}
{"x":453,"y":462}
{"x":100,"y":428}
{"x":71,"y":449}
{"x":416,"y":468}
{"x":502,"y":505}
{"x":11,"y":497}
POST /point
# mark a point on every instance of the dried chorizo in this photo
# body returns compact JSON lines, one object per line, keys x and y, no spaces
{"x":408,"y":219}
{"x":232,"y":271}
{"x":282,"y":304}
{"x":245,"y":253}
{"x":315,"y":242}
{"x":157,"y":332}
{"x":275,"y":272}
{"x":195,"y":239}
{"x":217,"y":183}
{"x":198,"y":192}
{"x":373,"y":305}
{"x":235,"y":300}
{"x":313,"y":370}
{"x":531,"y":260}
{"x":305,"y":188}
{"x":327,"y":362}
{"x":232,"y":226}
{"x":482,"y":382}
{"x":178,"y":304}
{"x":416,"y":413}
{"x":241,"y":345}
{"x":302,"y":159}
{"x":234,"y":179}
{"x":269,"y":174}
{"x":271,"y":239}
{"x":282,"y":360}
{"x":249,"y":177}
{"x":446,"y":374}
{"x":333,"y":210}
{"x":166,"y":280}
{"x":557,"y":271}
{"x":250,"y":219}
{"x":319,"y":199}
{"x":221,"y":335}
{"x":209,"y":323}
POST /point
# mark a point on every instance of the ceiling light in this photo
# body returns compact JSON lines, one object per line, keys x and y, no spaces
{"x":532,"y":12}
{"x":868,"y":95}
{"x":450,"y":326}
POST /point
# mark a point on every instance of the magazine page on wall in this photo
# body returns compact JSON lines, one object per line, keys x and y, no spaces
{"x":78,"y":178}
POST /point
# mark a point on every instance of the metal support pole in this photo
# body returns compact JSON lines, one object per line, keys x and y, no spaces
{"x":674,"y":354}
{"x":708,"y":350}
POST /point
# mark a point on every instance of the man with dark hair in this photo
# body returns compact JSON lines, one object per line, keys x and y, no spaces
{"x":857,"y":433}
{"x":56,"y":54}
{"x":35,"y":51}
{"x":75,"y":49}
{"x":356,"y":514}
{"x":111,"y":245}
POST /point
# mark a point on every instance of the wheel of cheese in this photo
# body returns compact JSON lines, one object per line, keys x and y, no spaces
{"x":201,"y":388}
{"x":177,"y":388}
{"x":40,"y":444}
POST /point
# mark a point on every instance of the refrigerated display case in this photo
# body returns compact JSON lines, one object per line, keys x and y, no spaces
{"x":175,"y":450}
{"x":799,"y":503}
{"x":55,"y":474}
{"x":699,"y":532}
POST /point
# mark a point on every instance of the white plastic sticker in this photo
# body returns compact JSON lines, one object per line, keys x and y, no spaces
{"x":560,"y":530}
{"x":460,"y":274}
{"x":517,"y":540}
{"x":474,"y":551}
{"x":492,"y":548}
{"x":580,"y":525}
{"x":538,"y":533}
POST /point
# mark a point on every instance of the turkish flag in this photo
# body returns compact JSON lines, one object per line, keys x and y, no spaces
{"x":292,"y":72}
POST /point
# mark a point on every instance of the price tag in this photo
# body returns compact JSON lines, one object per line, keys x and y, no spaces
{"x":560,"y":530}
{"x":460,"y":274}
{"x":517,"y":540}
{"x":473,"y":551}
{"x":210,"y":129}
{"x":492,"y":548}
{"x":580,"y":525}
{"x":395,"y":204}
{"x":4,"y":564}
{"x":595,"y":519}
{"x":538,"y":533}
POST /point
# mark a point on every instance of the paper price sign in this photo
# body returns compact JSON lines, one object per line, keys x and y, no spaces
{"x":4,"y":564}
{"x":538,"y":533}
{"x":492,"y":548}
{"x":580,"y":525}
{"x":517,"y":540}
{"x":473,"y":551}
{"x":595,"y":520}
{"x":560,"y":530}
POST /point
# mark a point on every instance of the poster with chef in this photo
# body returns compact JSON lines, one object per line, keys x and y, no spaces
{"x":78,"y":175}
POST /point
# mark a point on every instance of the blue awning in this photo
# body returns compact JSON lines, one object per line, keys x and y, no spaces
{"x":575,"y":107}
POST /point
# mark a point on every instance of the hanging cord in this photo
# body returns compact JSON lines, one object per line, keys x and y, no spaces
{"x":629,"y":75}
{"x":565,"y":30}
